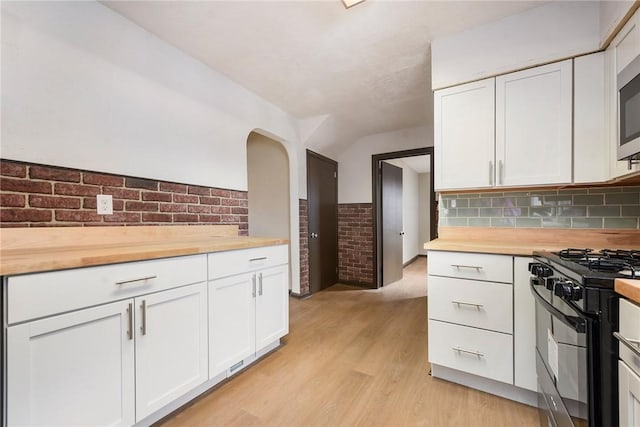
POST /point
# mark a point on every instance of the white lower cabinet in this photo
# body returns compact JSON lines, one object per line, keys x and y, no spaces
{"x":629,"y":365}
{"x":72,"y":369}
{"x":524,"y":327}
{"x":248,"y":312}
{"x":78,"y":368}
{"x":481,"y":322}
{"x":156,"y":334}
{"x":629,"y":394}
{"x":171,"y":346}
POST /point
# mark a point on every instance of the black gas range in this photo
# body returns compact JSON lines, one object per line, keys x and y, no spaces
{"x":576,"y":315}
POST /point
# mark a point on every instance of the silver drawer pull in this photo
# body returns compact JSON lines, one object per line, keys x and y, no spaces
{"x":258,"y":259}
{"x":459,"y":303}
{"x":633,"y":345}
{"x":142,"y":279}
{"x":462,"y":350}
{"x":475,"y":267}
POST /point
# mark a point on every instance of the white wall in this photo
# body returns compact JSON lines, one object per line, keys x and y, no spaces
{"x":354,"y":164}
{"x":611,"y":14}
{"x":268,"y":174}
{"x":550,"y":32}
{"x":83,"y":87}
{"x":424,"y":211}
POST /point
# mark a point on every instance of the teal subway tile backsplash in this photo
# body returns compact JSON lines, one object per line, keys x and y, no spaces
{"x":597,"y":207}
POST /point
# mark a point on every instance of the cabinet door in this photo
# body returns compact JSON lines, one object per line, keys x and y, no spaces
{"x":524,"y":326}
{"x":231,"y":321}
{"x":72,"y":369}
{"x":171,"y":346}
{"x":272,"y":305}
{"x":464,"y":136}
{"x":629,"y":394}
{"x":590,"y":150}
{"x":533,"y":125}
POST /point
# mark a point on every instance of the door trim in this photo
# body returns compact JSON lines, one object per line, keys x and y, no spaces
{"x":376,"y":160}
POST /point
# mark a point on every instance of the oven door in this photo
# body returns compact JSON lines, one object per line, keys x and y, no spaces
{"x":561,"y":337}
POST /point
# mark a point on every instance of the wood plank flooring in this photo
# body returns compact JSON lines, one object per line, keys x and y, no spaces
{"x":353,"y":357}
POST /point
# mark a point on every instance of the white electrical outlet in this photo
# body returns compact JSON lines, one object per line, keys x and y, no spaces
{"x":105,"y":204}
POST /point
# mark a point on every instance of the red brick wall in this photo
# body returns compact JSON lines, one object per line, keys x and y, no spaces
{"x":35,"y":195}
{"x":304,"y":247}
{"x":355,"y":243}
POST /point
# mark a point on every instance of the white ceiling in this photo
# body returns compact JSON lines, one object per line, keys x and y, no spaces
{"x":420,"y":164}
{"x":350,"y":73}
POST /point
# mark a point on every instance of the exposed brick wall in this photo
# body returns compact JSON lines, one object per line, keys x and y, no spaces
{"x":304,"y":247}
{"x":35,"y":195}
{"x":355,"y":243}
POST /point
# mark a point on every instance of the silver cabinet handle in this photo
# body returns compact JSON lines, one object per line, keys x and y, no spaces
{"x":490,"y":172}
{"x":253,"y":286}
{"x":501,"y":172}
{"x":462,"y":350}
{"x":258,"y":259}
{"x":260,"y":281}
{"x":459,"y":303}
{"x":475,"y":267}
{"x":633,"y":345}
{"x":141,"y":279}
{"x":130,"y":319}
{"x":143,"y":326}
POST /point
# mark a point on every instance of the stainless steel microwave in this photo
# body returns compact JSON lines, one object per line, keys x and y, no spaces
{"x":629,"y":111}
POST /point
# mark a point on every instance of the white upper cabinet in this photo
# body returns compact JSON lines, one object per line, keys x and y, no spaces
{"x":464,"y":135}
{"x":534,"y":126}
{"x":512,"y":130}
{"x":590,"y":150}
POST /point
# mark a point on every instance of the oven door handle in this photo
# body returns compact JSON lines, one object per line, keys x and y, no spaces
{"x":633,"y":345}
{"x":576,"y":323}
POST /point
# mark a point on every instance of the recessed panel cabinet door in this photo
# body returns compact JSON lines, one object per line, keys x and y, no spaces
{"x":73,"y":369}
{"x":231,"y":321}
{"x":171,"y":346}
{"x":272,"y":312}
{"x":534,"y":126}
{"x":464,"y":136}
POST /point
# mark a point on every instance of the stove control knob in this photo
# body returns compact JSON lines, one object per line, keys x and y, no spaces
{"x":567,"y":289}
{"x":540,"y":270}
{"x":550,"y":282}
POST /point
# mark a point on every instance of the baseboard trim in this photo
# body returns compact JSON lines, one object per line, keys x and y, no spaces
{"x":508,"y":391}
{"x":299,"y":296}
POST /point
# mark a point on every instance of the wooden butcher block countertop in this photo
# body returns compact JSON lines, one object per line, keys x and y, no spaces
{"x":30,"y":250}
{"x":524,"y":241}
{"x":629,"y":288}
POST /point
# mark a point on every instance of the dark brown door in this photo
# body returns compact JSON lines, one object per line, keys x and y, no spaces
{"x":322,"y":196}
{"x":392,"y":233}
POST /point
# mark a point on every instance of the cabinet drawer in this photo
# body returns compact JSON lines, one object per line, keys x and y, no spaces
{"x":223,"y":264}
{"x":485,"y":305}
{"x":43,"y":294}
{"x":630,"y":329}
{"x":492,"y":268}
{"x":476,"y":351}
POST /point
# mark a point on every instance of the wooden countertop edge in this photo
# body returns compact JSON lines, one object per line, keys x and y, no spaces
{"x":500,"y":248}
{"x":629,"y":288}
{"x":13,"y":262}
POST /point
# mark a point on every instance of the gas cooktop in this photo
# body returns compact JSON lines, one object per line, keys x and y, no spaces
{"x":593,"y":268}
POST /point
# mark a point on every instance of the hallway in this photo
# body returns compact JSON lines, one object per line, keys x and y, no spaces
{"x":353,"y":357}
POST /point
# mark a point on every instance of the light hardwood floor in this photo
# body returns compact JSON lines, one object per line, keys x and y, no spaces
{"x":353,"y":357}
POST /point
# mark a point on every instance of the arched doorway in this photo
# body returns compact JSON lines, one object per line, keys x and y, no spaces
{"x":268,"y":186}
